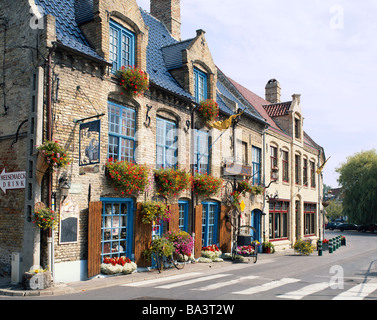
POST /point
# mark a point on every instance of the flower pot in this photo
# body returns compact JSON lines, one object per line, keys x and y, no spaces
{"x":41,"y":167}
{"x":266,"y":250}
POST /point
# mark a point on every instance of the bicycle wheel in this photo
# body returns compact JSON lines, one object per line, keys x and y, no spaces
{"x":159,"y":262}
{"x":177,"y":264}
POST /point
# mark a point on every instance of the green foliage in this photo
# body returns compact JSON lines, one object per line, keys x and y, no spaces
{"x":303,"y":247}
{"x":334,"y":210}
{"x":161,"y":247}
{"x":358,"y":178}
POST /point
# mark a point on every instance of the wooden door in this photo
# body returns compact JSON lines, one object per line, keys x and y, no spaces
{"x":94,"y":239}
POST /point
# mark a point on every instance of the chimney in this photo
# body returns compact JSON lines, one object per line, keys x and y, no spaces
{"x":169,"y":12}
{"x":273,"y":89}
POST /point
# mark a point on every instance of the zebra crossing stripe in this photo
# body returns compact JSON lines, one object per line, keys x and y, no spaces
{"x":358,"y":292}
{"x":267,"y":286}
{"x":225,"y":284}
{"x":159,"y":280}
{"x":187,"y":282}
{"x":305,"y":291}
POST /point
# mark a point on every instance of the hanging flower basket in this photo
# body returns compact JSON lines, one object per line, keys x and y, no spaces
{"x":208,"y":110}
{"x":133,"y":81}
{"x":54,"y":155}
{"x":153,"y":211}
{"x":45,"y":218}
{"x":171,"y":182}
{"x":128,"y":177}
{"x":246,"y":187}
{"x":41,"y":167}
{"x":206,"y":185}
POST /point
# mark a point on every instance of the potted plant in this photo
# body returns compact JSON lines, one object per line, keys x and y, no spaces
{"x":325,"y":245}
{"x":206,"y":185}
{"x":117,"y":265}
{"x":45,"y":218}
{"x":183,"y":244}
{"x":303,"y":247}
{"x":128,"y":177}
{"x":268,"y":247}
{"x":153,"y":211}
{"x":343,"y":241}
{"x":133,"y":80}
{"x":210,"y":254}
{"x":171,"y":182}
{"x":208,"y":110}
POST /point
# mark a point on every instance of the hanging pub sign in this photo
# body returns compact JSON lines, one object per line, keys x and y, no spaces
{"x":233,"y":169}
{"x":90,"y":143}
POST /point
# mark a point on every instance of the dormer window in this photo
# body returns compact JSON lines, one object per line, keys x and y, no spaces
{"x":122,"y":46}
{"x":200,"y":85}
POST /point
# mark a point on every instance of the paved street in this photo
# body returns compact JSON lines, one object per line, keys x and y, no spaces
{"x":350,"y":273}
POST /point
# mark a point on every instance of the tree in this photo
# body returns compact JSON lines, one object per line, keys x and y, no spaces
{"x":334,"y":210}
{"x":358,"y":178}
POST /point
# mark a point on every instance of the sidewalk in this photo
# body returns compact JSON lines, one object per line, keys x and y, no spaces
{"x":7,"y":289}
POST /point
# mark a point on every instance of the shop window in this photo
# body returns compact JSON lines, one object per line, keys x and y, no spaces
{"x":309,"y":218}
{"x":122,"y":46}
{"x":209,"y":223}
{"x":122,"y":123}
{"x":278,"y":219}
{"x":117,"y":228}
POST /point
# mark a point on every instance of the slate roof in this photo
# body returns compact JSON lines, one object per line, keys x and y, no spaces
{"x":68,"y":32}
{"x":173,"y":54}
{"x":160,"y":37}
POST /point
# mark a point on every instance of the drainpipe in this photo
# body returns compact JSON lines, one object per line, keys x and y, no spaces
{"x":49,"y":137}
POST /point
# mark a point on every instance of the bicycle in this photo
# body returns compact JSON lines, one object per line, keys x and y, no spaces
{"x":162,"y":260}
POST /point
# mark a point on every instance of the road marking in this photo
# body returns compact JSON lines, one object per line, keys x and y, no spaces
{"x":303,"y":292}
{"x":267,"y":286}
{"x":165,"y":279}
{"x":187,"y":282}
{"x":358,"y":292}
{"x":224,"y":284}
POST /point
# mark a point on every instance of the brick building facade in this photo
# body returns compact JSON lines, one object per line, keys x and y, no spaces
{"x":58,"y":82}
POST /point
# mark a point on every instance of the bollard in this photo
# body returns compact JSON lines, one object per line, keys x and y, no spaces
{"x":338,"y":238}
{"x":320,"y":252}
{"x":330,"y":246}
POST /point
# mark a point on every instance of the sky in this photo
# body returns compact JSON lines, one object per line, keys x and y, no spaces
{"x":325,"y":50}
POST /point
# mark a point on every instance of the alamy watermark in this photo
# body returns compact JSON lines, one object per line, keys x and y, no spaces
{"x":37,"y":17}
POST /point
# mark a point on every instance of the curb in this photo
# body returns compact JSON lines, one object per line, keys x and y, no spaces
{"x":100,"y":282}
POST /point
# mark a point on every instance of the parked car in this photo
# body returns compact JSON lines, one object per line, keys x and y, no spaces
{"x":331,"y":225}
{"x":370,"y":228}
{"x":347,"y":226}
